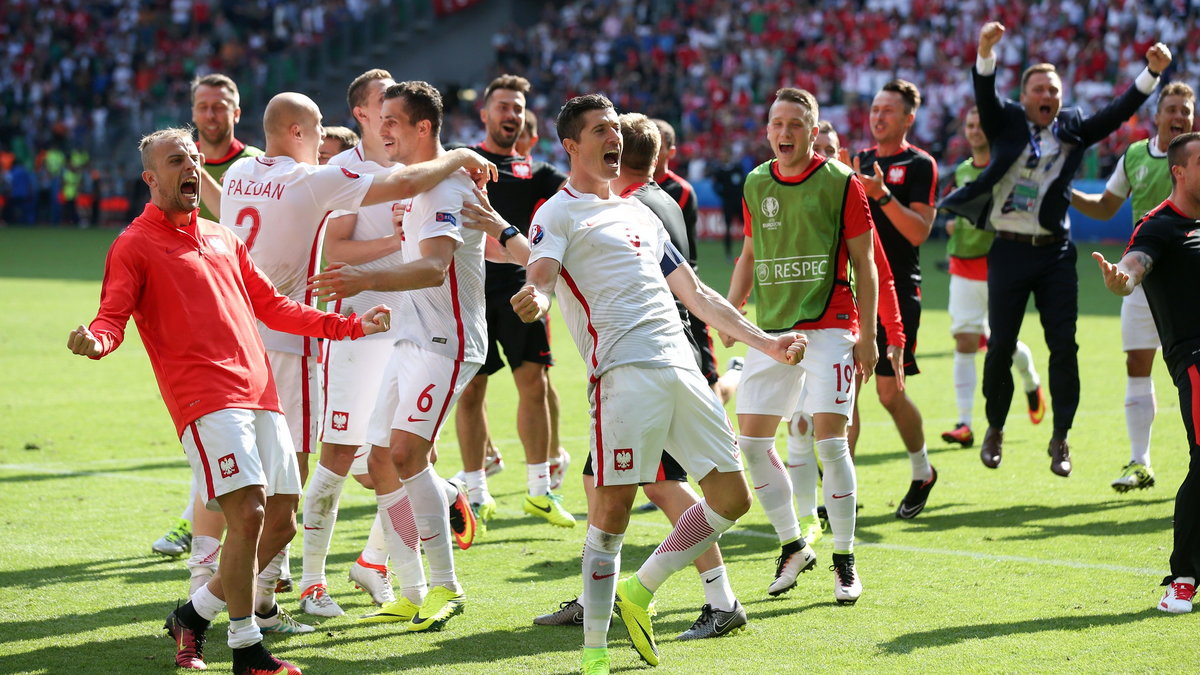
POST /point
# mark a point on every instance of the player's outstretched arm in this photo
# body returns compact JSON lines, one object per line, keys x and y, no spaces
{"x":740,"y":284}
{"x":340,"y":281}
{"x":1124,"y":276}
{"x":717,"y":312}
{"x":486,"y":219}
{"x":82,"y":342}
{"x":1101,"y":206}
{"x":532,"y":302}
{"x":341,"y":247}
{"x":866,"y":293}
{"x":412,"y":180}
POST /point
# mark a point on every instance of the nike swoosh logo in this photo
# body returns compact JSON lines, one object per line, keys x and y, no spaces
{"x":598,"y":577}
{"x":722,"y":626}
{"x":428,"y":538}
{"x":539,"y":508}
{"x":417,"y":419}
{"x":177,"y":249}
{"x":843,"y":496}
{"x":759,"y":487}
{"x":907,"y":512}
{"x":543,"y":353}
{"x":709,"y":581}
{"x":541,"y":475}
{"x":310,"y":527}
{"x":839,"y":401}
{"x":417,"y":618}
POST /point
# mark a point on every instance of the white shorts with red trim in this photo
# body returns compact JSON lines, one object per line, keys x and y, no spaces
{"x":235,"y":448}
{"x":353,"y":372}
{"x":418,"y":390}
{"x":298,"y":381}
{"x":1137,"y":324}
{"x":968,"y":306}
{"x":825,"y":377}
{"x":359,"y":466}
{"x":638,"y":412}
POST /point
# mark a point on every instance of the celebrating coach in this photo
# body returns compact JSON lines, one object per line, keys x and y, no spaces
{"x":1023,"y":195}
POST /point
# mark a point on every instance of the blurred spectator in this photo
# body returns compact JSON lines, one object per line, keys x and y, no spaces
{"x":711,"y":66}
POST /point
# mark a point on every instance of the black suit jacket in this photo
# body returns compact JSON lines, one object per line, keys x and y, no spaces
{"x":1007,"y":130}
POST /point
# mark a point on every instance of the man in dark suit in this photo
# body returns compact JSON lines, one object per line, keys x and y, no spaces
{"x":1023,"y":195}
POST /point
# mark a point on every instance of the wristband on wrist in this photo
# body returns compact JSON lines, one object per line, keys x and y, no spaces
{"x":508,"y":233}
{"x":1151,"y":71}
{"x":883,"y":201}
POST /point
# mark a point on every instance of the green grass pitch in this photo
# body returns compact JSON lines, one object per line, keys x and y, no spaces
{"x":1013,"y":570}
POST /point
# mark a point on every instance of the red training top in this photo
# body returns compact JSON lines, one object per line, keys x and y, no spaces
{"x":196,"y":297}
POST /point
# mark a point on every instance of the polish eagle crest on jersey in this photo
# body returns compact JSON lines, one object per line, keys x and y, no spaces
{"x":228,"y":466}
{"x":896,"y":174}
{"x":623,"y":459}
{"x":341,"y":420}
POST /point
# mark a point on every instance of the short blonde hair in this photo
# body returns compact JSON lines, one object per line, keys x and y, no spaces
{"x":342,"y":135}
{"x":146,"y":145}
{"x":641,"y":140}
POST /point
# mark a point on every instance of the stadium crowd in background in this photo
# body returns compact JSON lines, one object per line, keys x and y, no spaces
{"x":76,"y":75}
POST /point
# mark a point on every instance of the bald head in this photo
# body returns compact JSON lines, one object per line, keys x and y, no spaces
{"x":292,"y":123}
{"x":287,"y":109}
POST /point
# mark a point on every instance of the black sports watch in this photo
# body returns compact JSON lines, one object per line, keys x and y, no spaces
{"x":883,"y":201}
{"x":508,"y":233}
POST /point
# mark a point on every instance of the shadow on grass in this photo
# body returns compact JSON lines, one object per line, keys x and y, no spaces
{"x":1035,"y":521}
{"x":51,"y":474}
{"x":442,"y":649}
{"x":952,"y":635}
{"x":131,"y":571}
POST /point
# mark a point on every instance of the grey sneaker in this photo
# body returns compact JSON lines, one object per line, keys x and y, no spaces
{"x":715,"y":623}
{"x":176,"y":542}
{"x":570,"y":613}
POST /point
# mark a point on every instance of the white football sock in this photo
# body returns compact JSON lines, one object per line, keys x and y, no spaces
{"x":207,"y":605}
{"x":772,"y":485}
{"x":697,"y":529}
{"x":802,"y":466}
{"x":320,"y":514}
{"x":243,"y":632}
{"x":403,"y":542}
{"x":841,"y":491}
{"x":427,"y":494}
{"x":264,"y":592}
{"x":964,"y":386}
{"x":717,"y":591}
{"x":1140,"y":407}
{"x":1023,"y":362}
{"x":375,"y":552}
{"x":537,"y":478}
{"x":477,"y":487}
{"x":601,"y":565}
{"x":920,"y":464}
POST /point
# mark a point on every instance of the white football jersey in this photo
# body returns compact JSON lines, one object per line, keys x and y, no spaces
{"x":278,"y":207}
{"x":374,"y":222}
{"x":449,"y":319}
{"x":611,"y":290}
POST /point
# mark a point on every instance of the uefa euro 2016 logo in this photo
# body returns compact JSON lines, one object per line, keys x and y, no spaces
{"x":770,"y":207}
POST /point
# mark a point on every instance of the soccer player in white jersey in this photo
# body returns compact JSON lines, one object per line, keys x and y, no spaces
{"x":616,"y":269}
{"x":353,"y":372}
{"x":277,"y":204}
{"x":440,"y":345}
